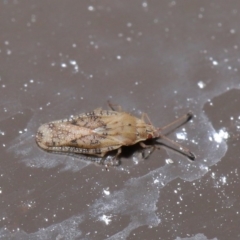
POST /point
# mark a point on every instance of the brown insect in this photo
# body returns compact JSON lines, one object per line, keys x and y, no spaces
{"x":100,"y":131}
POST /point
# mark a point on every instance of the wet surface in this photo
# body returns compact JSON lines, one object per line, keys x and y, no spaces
{"x":167,"y":58}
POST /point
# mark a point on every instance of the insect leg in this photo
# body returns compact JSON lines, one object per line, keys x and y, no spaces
{"x":152,"y":149}
{"x":113,"y":161}
{"x":119,"y":108}
{"x":144,"y":115}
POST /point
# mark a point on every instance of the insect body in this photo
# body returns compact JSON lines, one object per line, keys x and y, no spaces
{"x":98,"y":132}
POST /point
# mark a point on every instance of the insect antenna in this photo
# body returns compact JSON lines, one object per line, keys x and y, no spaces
{"x":177,"y":147}
{"x":172,"y":144}
{"x":177,"y":123}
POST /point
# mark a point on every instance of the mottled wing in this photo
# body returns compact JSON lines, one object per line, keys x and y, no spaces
{"x":78,"y":134}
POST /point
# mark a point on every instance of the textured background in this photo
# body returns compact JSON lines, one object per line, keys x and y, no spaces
{"x":60,"y":58}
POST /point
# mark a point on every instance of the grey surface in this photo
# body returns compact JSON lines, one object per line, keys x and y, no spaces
{"x":61,"y":58}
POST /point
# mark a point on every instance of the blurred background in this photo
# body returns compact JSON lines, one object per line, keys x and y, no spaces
{"x":165,"y":58}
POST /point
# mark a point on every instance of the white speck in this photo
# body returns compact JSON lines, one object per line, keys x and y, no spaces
{"x":106,"y":219}
{"x":4,"y":145}
{"x":91,"y":8}
{"x":201,"y":84}
{"x":72,"y":62}
{"x":129,"y":39}
{"x":25,"y":85}
{"x":3,"y":86}
{"x":2,"y":133}
{"x":213,"y":175}
{"x":9,"y":52}
{"x":222,"y":134}
{"x":135,"y":160}
{"x":223,"y":180}
{"x":106,"y":192}
{"x":64,"y":65}
{"x":33,"y":18}
{"x":74,"y":45}
{"x":119,"y":57}
{"x":46,"y":220}
{"x":129,"y":24}
{"x":215,"y":63}
{"x":31,"y":81}
{"x":232,"y":31}
{"x":181,"y":135}
{"x":172,"y":3}
{"x":169,"y":161}
{"x":136,"y":83}
{"x":200,"y":16}
{"x":6,"y":43}
{"x":145,"y":4}
{"x":156,"y":181}
{"x":204,"y":167}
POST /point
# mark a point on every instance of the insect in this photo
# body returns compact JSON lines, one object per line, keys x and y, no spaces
{"x":101,"y":131}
